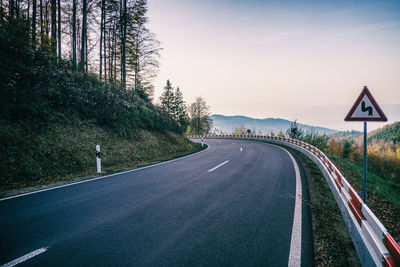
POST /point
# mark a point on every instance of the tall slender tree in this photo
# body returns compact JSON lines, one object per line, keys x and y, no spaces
{"x":82,"y":63}
{"x":34,"y":4}
{"x":53,"y":40}
{"x":101,"y":37}
{"x":41,"y":23}
{"x":59,"y":30}
{"x":74,"y":33}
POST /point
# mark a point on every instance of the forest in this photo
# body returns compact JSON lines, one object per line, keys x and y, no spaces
{"x":74,"y":74}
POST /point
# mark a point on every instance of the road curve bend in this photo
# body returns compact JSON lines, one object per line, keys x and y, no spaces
{"x":233,"y":204}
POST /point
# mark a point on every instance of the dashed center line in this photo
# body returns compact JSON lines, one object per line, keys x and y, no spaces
{"x":216,"y":167}
{"x":241,"y":149}
{"x":25,"y":257}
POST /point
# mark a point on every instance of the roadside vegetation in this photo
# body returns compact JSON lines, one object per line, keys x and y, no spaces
{"x":332,"y":243}
{"x":383,"y":152}
{"x":59,"y":99}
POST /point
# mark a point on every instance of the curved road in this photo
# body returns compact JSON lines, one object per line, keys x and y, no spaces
{"x":232,"y":204}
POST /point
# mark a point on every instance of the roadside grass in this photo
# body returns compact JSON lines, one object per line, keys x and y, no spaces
{"x":332,"y":243}
{"x":383,"y":195}
{"x":64,"y":154}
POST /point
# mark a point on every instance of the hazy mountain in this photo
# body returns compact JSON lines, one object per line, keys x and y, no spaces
{"x":228,"y":124}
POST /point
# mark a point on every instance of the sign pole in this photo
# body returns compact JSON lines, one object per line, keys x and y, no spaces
{"x":365,"y":162}
{"x":365,"y":109}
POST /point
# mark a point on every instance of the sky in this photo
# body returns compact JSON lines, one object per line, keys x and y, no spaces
{"x":304,"y":60}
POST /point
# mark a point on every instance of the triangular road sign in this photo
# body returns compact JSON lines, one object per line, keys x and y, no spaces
{"x":365,"y":109}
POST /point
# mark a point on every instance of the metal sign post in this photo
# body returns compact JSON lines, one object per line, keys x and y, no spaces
{"x":365,"y":163}
{"x":365,"y":109}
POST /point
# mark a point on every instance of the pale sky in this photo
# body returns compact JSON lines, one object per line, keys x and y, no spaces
{"x":279,"y":58}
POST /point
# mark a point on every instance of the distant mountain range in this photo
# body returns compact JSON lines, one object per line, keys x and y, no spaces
{"x":227,"y":125}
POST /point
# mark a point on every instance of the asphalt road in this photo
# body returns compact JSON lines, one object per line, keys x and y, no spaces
{"x":232,"y":204}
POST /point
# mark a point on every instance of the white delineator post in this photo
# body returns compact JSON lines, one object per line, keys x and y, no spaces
{"x":202,"y":141}
{"x":98,"y":159}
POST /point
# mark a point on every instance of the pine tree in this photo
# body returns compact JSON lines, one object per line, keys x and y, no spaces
{"x":167,"y":98}
{"x":180,"y":109}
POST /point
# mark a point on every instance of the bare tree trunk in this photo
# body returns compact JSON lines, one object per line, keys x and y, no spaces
{"x":17,"y":9}
{"x":105,"y":47}
{"x":123,"y":44}
{"x":53,"y":41}
{"x":1,"y":12}
{"x":59,"y":31}
{"x":83,"y":40}
{"x":101,"y":38}
{"x":115,"y":56}
{"x":46,"y":23}
{"x":28,"y":9}
{"x":74,"y":34}
{"x":34,"y":22}
{"x":11,"y":8}
{"x":110,"y":66}
{"x":86,"y":54}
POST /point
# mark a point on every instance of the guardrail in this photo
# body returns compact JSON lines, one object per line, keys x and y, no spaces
{"x":373,"y":243}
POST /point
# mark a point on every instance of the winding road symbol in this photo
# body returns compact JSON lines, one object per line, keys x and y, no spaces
{"x":364,"y":109}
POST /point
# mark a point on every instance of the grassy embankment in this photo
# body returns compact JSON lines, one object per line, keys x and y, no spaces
{"x":332,"y":242}
{"x":383,"y":195}
{"x":53,"y":115}
{"x":63,"y":153}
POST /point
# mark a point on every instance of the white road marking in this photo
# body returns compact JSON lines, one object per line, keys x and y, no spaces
{"x":102,"y":177}
{"x":241,"y":149}
{"x":295,"y":243}
{"x":25,"y":257}
{"x":216,"y":167}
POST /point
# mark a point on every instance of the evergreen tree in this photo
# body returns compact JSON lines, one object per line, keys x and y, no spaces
{"x":167,"y":98}
{"x":346,"y":149}
{"x":180,"y":109}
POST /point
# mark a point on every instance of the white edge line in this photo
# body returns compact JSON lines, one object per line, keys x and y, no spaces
{"x":216,"y":167}
{"x":295,"y":243}
{"x":102,"y":177}
{"x":25,"y":257}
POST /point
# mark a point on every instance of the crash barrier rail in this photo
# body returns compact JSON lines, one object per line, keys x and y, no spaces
{"x":373,"y":243}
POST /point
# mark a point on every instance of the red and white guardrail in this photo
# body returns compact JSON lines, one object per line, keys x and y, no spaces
{"x":374,"y":245}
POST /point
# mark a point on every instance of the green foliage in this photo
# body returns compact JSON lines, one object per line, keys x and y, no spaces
{"x":383,"y":193}
{"x":317,"y":140}
{"x":200,"y":120}
{"x":346,"y":149}
{"x":38,"y":91}
{"x":172,"y":103}
{"x":51,"y":117}
{"x":167,"y":98}
{"x":389,"y":133}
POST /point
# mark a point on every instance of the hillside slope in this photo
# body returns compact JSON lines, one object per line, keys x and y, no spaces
{"x":389,"y":133}
{"x":63,"y":151}
{"x":52,"y":117}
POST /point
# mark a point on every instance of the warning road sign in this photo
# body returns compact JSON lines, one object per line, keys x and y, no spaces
{"x":366,"y":109}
